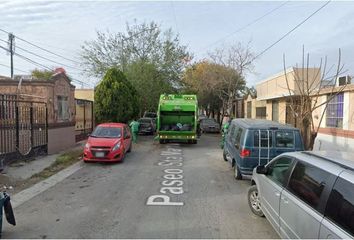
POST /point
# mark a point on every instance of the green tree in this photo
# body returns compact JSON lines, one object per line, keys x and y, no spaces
{"x":115,"y":98}
{"x":142,"y":42}
{"x":217,"y":86}
{"x":42,"y":74}
{"x":149,"y":83}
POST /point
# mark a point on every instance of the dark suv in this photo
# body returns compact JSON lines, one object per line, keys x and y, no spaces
{"x":147,"y":126}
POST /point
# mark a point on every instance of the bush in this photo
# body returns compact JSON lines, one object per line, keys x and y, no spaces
{"x":115,"y":98}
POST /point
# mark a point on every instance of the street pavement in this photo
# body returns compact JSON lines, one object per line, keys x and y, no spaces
{"x":159,"y":191}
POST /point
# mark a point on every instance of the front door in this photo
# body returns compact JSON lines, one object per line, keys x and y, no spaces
{"x":271,"y":187}
{"x":126,"y":139}
{"x":300,"y":214}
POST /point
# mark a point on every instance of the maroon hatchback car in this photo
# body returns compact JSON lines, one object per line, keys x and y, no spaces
{"x":109,"y":142}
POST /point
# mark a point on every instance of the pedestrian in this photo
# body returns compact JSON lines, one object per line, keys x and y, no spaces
{"x":134,"y":126}
{"x":199,"y":130}
{"x":224,"y":131}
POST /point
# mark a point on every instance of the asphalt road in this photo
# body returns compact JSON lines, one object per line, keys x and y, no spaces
{"x":110,"y":200}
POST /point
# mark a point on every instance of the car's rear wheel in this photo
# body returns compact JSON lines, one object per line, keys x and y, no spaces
{"x":238,"y":175}
{"x":254,"y":201}
{"x":224,"y":154}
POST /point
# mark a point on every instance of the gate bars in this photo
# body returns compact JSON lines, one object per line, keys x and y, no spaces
{"x":23,"y":127}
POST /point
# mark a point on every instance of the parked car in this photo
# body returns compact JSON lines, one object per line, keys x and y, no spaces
{"x":108,"y":142}
{"x":202,"y":116}
{"x":147,"y":126}
{"x":152,"y":115}
{"x":254,"y":142}
{"x":209,"y":125}
{"x":306,"y":194}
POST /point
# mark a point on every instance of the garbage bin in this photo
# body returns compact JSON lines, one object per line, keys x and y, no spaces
{"x":6,"y":205}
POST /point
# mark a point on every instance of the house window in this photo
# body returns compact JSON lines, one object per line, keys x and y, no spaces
{"x":334,"y":114}
{"x":261,"y":112}
{"x":249,"y":109}
{"x":63,"y":108}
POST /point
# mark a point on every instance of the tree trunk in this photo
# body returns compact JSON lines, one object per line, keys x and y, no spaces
{"x":306,"y":133}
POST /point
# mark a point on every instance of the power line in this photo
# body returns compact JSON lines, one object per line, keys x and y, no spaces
{"x":37,"y":64}
{"x":14,"y":68}
{"x":42,"y":66}
{"x":35,"y":54}
{"x":44,"y":49}
{"x":246,"y":25}
{"x":293,"y":29}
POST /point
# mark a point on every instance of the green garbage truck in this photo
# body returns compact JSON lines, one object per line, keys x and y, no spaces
{"x":177,"y":118}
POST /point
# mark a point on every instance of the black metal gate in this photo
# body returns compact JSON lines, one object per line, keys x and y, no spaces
{"x":23,"y":128}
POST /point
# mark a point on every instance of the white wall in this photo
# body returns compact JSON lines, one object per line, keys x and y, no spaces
{"x":333,"y":143}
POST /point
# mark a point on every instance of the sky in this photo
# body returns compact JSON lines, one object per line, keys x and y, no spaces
{"x":63,"y":26}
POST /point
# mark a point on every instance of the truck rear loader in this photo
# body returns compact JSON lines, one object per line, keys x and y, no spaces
{"x":177,"y":118}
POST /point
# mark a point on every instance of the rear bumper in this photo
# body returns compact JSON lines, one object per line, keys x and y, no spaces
{"x":143,"y":131}
{"x":177,"y":136}
{"x":211,"y":130}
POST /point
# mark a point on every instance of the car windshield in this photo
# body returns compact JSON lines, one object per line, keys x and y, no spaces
{"x":107,"y":132}
{"x":209,"y":121}
{"x":144,"y":120}
{"x":150,"y":115}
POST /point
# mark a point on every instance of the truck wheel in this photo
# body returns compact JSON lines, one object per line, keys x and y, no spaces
{"x":238,"y":175}
{"x":254,"y":201}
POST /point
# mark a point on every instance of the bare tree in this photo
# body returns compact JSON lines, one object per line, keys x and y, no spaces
{"x":305,"y":95}
{"x":237,"y":59}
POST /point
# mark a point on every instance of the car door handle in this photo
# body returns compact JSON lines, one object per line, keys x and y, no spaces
{"x":285,"y":200}
{"x":277,"y":194}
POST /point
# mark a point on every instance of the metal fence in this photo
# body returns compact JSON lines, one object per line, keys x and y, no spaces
{"x":23,"y":128}
{"x":84,"y":118}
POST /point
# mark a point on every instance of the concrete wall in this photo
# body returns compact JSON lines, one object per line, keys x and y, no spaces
{"x":87,"y":94}
{"x":60,"y":139}
{"x":275,"y":86}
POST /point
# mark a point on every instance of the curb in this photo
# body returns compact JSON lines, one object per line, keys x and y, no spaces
{"x":29,"y":193}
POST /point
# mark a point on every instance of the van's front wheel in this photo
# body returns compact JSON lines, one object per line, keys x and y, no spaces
{"x":238,"y":175}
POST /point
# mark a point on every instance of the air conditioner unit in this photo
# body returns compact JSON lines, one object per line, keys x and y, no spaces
{"x":344,"y":80}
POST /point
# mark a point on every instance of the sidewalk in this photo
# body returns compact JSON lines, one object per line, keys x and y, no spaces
{"x":13,"y":177}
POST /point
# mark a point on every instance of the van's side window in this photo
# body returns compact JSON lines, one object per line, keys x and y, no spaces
{"x":238,"y":138}
{"x":284,"y":139}
{"x":308,"y":182}
{"x":264,"y":138}
{"x":232,"y":130}
{"x":279,"y":169}
{"x":340,"y":205}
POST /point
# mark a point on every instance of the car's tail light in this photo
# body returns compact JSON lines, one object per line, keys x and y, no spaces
{"x":245,"y":152}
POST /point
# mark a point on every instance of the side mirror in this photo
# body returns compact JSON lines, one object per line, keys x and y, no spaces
{"x":127,"y":137}
{"x":261,"y":170}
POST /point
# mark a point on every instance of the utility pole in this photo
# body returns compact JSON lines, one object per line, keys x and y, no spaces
{"x":12,"y":50}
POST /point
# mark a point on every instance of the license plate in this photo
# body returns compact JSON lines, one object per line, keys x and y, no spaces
{"x":99,"y":154}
